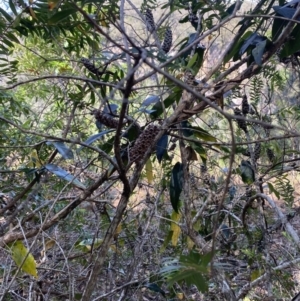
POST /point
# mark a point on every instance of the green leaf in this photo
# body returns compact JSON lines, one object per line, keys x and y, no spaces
{"x":293,"y":43}
{"x":61,"y":15}
{"x":95,"y":137}
{"x":7,"y":16}
{"x":191,"y":269}
{"x":158,"y":108}
{"x":12,"y":7}
{"x":176,"y":185}
{"x":199,"y":60}
{"x":278,"y":26}
{"x":247,"y":172}
{"x":286,"y":12}
{"x":273,"y":190}
{"x":187,"y":129}
{"x":192,"y":60}
{"x":63,"y":174}
{"x":19,"y":253}
{"x":62,"y":149}
{"x":155,"y":288}
{"x":203,"y":134}
{"x":258,"y":52}
{"x":197,"y":146}
{"x":235,"y":50}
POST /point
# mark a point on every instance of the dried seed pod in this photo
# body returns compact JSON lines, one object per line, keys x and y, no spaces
{"x":143,"y":142}
{"x":89,"y":65}
{"x":245,"y":105}
{"x":106,"y":119}
{"x":241,"y":123}
{"x":149,"y":20}
{"x":257,"y":150}
{"x":270,"y":155}
{"x":167,"y":43}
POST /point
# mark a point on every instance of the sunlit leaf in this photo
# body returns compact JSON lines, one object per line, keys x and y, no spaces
{"x":19,"y":253}
{"x":149,"y":171}
{"x":175,"y":228}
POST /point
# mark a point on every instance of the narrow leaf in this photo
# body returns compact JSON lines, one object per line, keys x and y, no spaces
{"x":95,"y":137}
{"x":150,"y":100}
{"x":7,"y":16}
{"x":63,"y":174}
{"x":12,"y":7}
{"x":286,"y":12}
{"x":175,"y":228}
{"x":272,"y":189}
{"x":149,"y":171}
{"x":63,"y":149}
{"x":61,"y":15}
{"x":155,"y":288}
{"x":161,"y":147}
{"x":176,"y":184}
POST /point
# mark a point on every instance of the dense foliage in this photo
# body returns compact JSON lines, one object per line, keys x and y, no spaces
{"x":149,"y":151}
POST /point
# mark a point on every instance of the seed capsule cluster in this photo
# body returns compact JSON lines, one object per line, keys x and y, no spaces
{"x":270,"y":155}
{"x":167,"y":43}
{"x":106,"y":119}
{"x":89,"y":65}
{"x":241,"y":123}
{"x":257,"y":150}
{"x":143,"y":142}
{"x":149,"y":20}
{"x":245,"y":105}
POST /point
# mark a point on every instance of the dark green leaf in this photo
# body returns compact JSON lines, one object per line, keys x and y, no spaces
{"x":155,"y":288}
{"x":187,"y":129}
{"x":176,"y":185}
{"x":236,"y":50}
{"x":273,"y":190}
{"x":161,"y":147}
{"x":12,"y":7}
{"x":286,"y":12}
{"x":278,"y":26}
{"x":158,"y":108}
{"x":7,"y":16}
{"x":61,"y":15}
{"x":293,"y":44}
{"x":247,"y":172}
